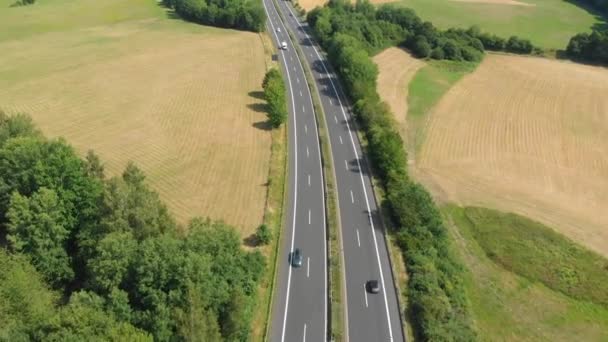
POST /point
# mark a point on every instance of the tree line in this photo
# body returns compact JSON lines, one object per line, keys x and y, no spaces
{"x":246,"y":15}
{"x":388,"y":25}
{"x":85,"y":257}
{"x":274,"y":94}
{"x":591,"y":47}
{"x":437,"y":298}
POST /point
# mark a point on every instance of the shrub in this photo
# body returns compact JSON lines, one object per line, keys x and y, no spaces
{"x":518,"y":45}
{"x":263,"y":235}
{"x":274,"y":93}
{"x":437,"y":53}
{"x":422,"y":48}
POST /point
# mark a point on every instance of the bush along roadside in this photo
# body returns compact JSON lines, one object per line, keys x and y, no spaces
{"x":438,"y":302}
{"x":274,"y":94}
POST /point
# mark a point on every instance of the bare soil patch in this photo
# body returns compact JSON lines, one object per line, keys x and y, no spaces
{"x":396,"y":68}
{"x":526,"y":135}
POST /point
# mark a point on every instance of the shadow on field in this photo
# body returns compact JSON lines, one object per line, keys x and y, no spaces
{"x":256,"y":94}
{"x":169,"y":12}
{"x":251,"y":241}
{"x":257,"y":107}
{"x":263,"y":125}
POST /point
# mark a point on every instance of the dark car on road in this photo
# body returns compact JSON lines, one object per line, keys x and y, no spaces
{"x":372,"y":286}
{"x":296,"y":258}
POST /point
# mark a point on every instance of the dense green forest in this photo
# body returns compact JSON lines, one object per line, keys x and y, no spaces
{"x":85,"y":257}
{"x":438,"y":305}
{"x":240,"y":14}
{"x":591,"y":47}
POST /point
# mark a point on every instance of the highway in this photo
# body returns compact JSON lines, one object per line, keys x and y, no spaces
{"x":370,"y":317}
{"x":300,"y":302}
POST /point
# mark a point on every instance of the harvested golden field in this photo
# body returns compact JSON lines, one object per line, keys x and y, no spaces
{"x":310,"y":4}
{"x":526,"y":135}
{"x":396,"y":68}
{"x":174,"y":97}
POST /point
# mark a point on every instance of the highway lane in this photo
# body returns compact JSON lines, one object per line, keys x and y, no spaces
{"x":300,"y":304}
{"x":370,"y":317}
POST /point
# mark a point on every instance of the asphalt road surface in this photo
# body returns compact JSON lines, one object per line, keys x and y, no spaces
{"x":300,"y":304}
{"x":370,"y":317}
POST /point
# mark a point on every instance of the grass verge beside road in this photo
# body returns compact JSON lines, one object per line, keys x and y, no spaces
{"x":508,"y":303}
{"x":273,"y":217}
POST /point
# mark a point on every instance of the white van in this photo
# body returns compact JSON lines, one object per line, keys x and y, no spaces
{"x":284,"y":46}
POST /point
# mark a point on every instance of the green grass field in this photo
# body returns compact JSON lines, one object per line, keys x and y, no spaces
{"x":547,"y":23}
{"x":515,"y":300}
{"x":427,"y":87}
{"x":62,"y":15}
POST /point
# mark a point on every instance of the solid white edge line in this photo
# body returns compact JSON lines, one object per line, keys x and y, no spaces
{"x":388,"y":315}
{"x":295,"y":201}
